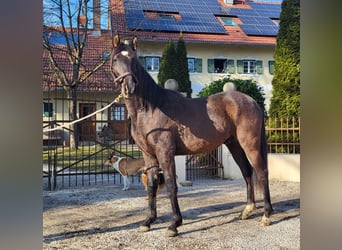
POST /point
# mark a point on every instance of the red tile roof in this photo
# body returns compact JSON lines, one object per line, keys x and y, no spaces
{"x":99,"y":81}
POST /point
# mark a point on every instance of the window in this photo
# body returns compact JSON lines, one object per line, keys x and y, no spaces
{"x":271,"y":67}
{"x":276,"y":21}
{"x":249,"y":66}
{"x":162,"y":15}
{"x":150,"y":63}
{"x":229,"y":2}
{"x":47,"y":109}
{"x":221,"y":65}
{"x":118,"y":113}
{"x":228,"y":21}
{"x":165,"y":15}
{"x":195,"y":65}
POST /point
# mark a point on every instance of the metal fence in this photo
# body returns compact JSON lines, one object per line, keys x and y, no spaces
{"x":65,"y":167}
{"x":204,"y":166}
{"x":283,"y":135}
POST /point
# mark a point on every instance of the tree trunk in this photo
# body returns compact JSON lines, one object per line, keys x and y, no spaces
{"x":72,"y":97}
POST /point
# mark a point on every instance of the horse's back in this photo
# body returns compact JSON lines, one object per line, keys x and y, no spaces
{"x":239,"y":105}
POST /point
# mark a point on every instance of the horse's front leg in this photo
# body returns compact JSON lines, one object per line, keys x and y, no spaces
{"x":172,"y":189}
{"x":177,"y":216}
{"x":152,"y":185}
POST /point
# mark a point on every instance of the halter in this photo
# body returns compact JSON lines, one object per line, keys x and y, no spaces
{"x":123,"y":76}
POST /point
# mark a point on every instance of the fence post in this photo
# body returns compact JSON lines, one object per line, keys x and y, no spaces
{"x":49,"y":172}
{"x":180,"y":162}
{"x":54,"y":171}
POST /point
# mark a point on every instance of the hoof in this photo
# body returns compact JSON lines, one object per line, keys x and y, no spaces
{"x":247,"y":211}
{"x":144,"y":228}
{"x":264,"y":222}
{"x":244,"y":215}
{"x":171,"y":233}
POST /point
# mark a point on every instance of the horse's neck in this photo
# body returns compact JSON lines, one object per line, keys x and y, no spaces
{"x":134,"y":105}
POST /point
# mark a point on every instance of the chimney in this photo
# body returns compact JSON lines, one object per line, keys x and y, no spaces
{"x":96,"y":18}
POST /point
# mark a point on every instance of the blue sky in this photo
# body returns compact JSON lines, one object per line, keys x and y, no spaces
{"x":50,"y":12}
{"x":268,"y":1}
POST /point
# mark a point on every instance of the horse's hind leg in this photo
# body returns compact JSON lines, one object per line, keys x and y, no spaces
{"x":255,"y":149}
{"x":246,"y":170}
{"x":262,"y":177}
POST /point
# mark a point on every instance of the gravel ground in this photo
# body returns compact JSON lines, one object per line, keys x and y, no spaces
{"x":105,"y":217}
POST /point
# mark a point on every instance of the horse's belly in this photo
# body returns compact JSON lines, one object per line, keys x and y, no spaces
{"x":194,"y":145}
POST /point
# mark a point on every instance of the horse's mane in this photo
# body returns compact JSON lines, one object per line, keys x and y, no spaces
{"x":152,"y":94}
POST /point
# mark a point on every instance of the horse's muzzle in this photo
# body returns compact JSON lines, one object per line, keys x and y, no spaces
{"x":128,"y":86}
{"x":126,"y":82}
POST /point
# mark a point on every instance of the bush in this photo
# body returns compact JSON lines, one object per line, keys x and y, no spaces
{"x":249,"y":87}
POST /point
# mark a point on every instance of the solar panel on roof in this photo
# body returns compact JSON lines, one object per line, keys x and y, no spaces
{"x":257,"y":21}
{"x":195,"y":15}
{"x":199,"y":16}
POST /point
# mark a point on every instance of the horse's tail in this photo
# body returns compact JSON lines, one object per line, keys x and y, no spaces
{"x":161,"y":181}
{"x":161,"y":178}
{"x":258,"y":182}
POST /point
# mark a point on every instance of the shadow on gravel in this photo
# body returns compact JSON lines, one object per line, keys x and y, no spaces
{"x":90,"y":231}
{"x":283,"y":210}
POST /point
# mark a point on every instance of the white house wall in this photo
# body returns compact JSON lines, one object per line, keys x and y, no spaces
{"x":210,"y":51}
{"x":61,"y":111}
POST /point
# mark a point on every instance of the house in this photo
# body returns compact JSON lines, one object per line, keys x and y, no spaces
{"x":223,"y":37}
{"x":93,"y":94}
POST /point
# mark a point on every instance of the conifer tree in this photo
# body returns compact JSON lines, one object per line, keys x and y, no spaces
{"x":286,"y":82}
{"x":183,"y":77}
{"x":168,"y":63}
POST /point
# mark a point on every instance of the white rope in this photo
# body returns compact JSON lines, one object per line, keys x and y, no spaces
{"x":83,"y":118}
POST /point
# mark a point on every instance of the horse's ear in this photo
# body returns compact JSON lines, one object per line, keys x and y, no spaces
{"x":116,"y":40}
{"x":135,"y":43}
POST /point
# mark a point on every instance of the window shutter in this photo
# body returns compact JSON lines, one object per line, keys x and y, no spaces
{"x":259,"y":68}
{"x":271,"y":67}
{"x":239,"y":64}
{"x":230,"y":67}
{"x":211,"y":66}
{"x":141,"y":60}
{"x":198,"y":65}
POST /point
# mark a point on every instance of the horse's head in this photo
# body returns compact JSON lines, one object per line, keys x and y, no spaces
{"x":123,"y":62}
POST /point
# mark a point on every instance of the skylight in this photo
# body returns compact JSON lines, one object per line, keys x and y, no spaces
{"x":228,"y":21}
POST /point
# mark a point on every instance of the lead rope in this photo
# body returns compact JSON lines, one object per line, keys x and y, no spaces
{"x":65,"y":125}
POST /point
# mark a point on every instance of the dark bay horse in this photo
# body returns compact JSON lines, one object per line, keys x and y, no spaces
{"x":165,"y":124}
